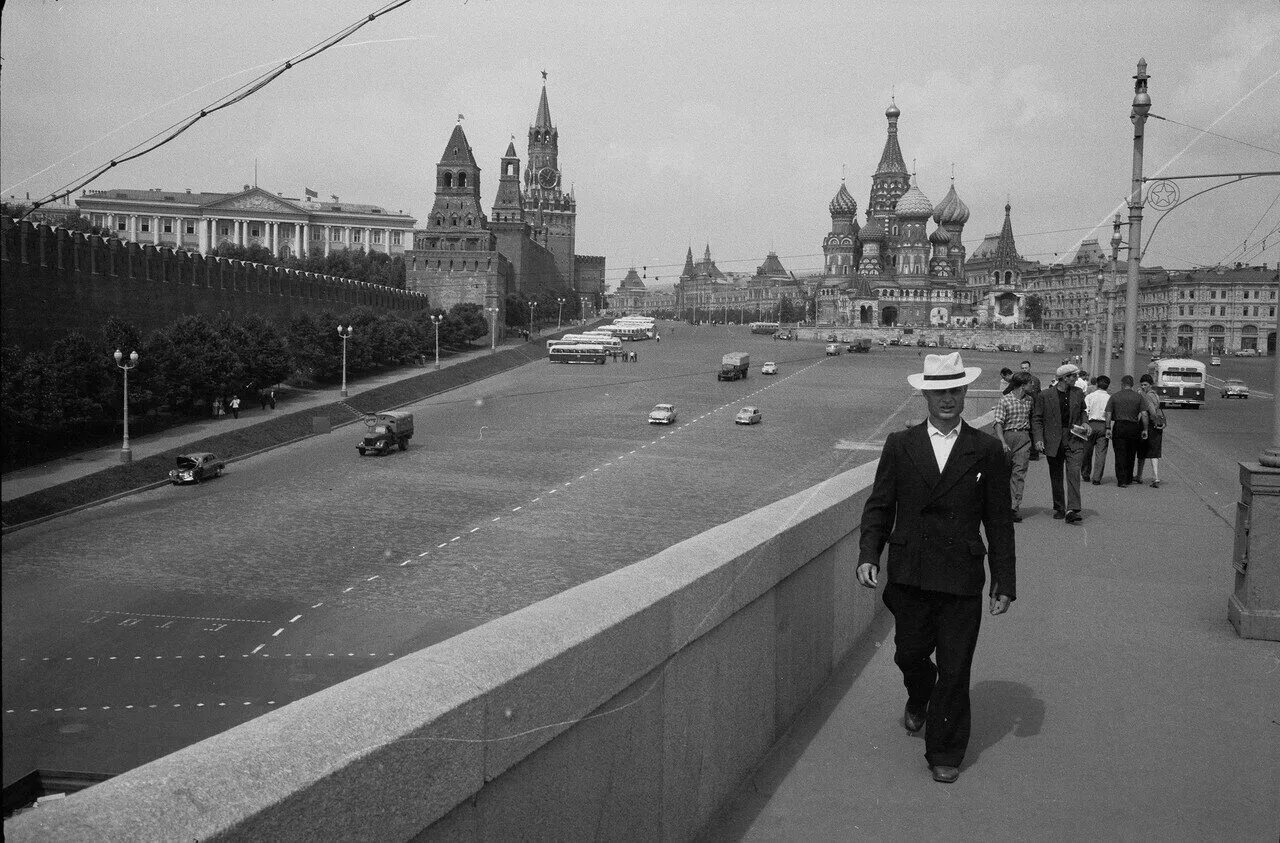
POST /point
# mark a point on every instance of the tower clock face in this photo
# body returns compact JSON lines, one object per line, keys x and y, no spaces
{"x":548,"y":178}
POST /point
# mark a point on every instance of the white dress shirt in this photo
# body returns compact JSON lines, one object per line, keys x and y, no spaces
{"x":942,"y":443}
{"x":1095,"y":404}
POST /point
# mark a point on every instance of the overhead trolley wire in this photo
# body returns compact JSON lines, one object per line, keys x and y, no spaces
{"x":239,"y":94}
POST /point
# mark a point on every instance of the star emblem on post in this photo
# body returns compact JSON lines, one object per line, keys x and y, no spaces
{"x":1163,"y":195}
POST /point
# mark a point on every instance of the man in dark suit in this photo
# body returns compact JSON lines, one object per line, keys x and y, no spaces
{"x":936,"y":484}
{"x":1060,"y":429}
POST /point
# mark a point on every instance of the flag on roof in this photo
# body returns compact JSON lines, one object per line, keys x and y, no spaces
{"x":311,"y":193}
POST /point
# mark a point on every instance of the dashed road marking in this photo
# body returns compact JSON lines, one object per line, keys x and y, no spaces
{"x":257,"y":648}
{"x":425,"y":552}
{"x":318,"y":605}
{"x":180,"y":617}
{"x":277,"y":632}
{"x":295,"y":618}
{"x":517,"y":509}
{"x":372,"y":578}
{"x":473,"y":529}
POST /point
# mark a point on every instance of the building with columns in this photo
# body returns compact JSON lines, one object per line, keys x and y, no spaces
{"x":288,"y":227}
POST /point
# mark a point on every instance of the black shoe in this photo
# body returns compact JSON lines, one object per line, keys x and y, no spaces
{"x":1121,"y":485}
{"x":1059,"y":514}
{"x":1096,"y":482}
{"x":944,"y":774}
{"x":912,"y":722}
{"x":1017,"y":516}
{"x":1074,"y":517}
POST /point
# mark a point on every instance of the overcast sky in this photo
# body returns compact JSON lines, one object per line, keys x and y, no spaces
{"x":681,"y":123}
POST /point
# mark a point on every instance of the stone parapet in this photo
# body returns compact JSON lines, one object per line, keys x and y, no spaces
{"x":631,"y":705}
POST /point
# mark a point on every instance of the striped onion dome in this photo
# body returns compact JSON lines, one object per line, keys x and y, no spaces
{"x":913,"y":204}
{"x":844,"y":203}
{"x":951,"y":210}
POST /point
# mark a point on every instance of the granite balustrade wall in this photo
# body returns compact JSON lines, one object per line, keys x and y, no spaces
{"x":631,"y":706}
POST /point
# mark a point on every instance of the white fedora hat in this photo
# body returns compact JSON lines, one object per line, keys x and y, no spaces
{"x":944,"y":371}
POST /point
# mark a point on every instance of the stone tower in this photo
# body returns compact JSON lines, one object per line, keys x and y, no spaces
{"x":840,"y":248}
{"x":457,"y":212}
{"x":889,"y":182}
{"x":551,"y":211}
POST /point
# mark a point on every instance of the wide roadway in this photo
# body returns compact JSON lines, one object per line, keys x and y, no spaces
{"x":135,"y":628}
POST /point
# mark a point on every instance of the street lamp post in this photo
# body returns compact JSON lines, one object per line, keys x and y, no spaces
{"x":346,"y":335}
{"x":436,"y":319}
{"x":493,"y":328}
{"x":559,"y":312}
{"x":1110,"y":296}
{"x":126,"y":454}
{"x":532,"y":306}
{"x":1138,"y":115}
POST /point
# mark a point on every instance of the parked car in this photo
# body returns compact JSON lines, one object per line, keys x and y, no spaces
{"x":833,"y":349}
{"x":769,"y":368}
{"x":1235,"y":388}
{"x":193,"y":468}
{"x":922,"y":343}
{"x":895,"y":341}
{"x":748,"y":415}
{"x":663,"y":414}
{"x":1039,"y":349}
{"x":1247,"y":352}
{"x":1215,"y":361}
{"x":987,"y":347}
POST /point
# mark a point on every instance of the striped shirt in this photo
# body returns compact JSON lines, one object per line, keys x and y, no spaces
{"x":1013,"y":413}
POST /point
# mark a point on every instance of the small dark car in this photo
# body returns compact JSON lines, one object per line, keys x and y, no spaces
{"x":193,"y":468}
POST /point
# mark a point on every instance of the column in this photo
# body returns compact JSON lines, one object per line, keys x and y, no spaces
{"x":202,"y":228}
{"x":132,"y":229}
{"x":155,"y":231}
{"x":240,"y":230}
{"x":327,"y":235}
{"x":177,"y":232}
{"x":271,"y":238}
{"x":368,"y":239}
{"x":298,"y":230}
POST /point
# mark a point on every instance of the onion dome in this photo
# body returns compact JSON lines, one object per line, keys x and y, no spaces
{"x":871,"y":231}
{"x":939,"y":237}
{"x":951,"y":211}
{"x":913,"y":204}
{"x":892,"y":111}
{"x":844,"y":203}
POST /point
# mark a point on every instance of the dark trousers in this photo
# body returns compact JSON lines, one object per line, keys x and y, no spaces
{"x":1125,"y":438}
{"x":929,"y":622}
{"x":1067,"y":461}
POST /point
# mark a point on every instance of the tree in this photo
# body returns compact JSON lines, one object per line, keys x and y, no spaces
{"x":193,"y":361}
{"x":1034,"y":309}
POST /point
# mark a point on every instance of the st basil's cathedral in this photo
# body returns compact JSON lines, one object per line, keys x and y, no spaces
{"x":892,"y":271}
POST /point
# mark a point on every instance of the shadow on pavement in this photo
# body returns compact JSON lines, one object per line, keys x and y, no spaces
{"x":1001,"y":709}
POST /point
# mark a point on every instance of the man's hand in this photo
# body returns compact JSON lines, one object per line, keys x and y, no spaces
{"x":1040,"y":445}
{"x":868,"y":574}
{"x":999,"y":604}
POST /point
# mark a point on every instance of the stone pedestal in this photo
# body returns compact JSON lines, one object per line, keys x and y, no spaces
{"x":1254,"y":605}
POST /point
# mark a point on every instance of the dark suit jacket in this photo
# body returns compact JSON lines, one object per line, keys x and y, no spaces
{"x":1046,"y":418}
{"x":930,"y":521}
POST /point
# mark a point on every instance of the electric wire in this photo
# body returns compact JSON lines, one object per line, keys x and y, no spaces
{"x":1215,"y":134}
{"x":239,"y":94}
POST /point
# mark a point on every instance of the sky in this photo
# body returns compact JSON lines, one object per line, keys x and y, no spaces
{"x":681,"y":123}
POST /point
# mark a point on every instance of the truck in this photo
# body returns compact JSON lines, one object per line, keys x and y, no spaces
{"x":734,"y":365}
{"x":861,"y":346}
{"x":388,"y":430}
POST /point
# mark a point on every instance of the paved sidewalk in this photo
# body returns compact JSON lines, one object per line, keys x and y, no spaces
{"x":288,"y":400}
{"x":1113,"y":702}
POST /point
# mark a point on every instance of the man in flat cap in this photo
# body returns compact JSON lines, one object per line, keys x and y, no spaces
{"x":937,"y":483}
{"x":1059,"y":428}
{"x":1012,"y":427}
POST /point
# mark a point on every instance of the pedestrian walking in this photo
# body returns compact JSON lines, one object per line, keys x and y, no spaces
{"x":1151,"y":447}
{"x":1013,"y":428}
{"x":1059,"y":430}
{"x":262,"y":399}
{"x":271,"y":399}
{"x":235,"y":406}
{"x":1033,"y":389}
{"x":937,"y":483}
{"x":1126,"y":428}
{"x":1095,"y":449}
{"x":217,"y":407}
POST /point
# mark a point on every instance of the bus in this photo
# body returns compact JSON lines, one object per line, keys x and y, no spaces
{"x":633,"y":332}
{"x":610,"y":342}
{"x":765,"y":327}
{"x":1179,"y":382}
{"x":576,"y":353}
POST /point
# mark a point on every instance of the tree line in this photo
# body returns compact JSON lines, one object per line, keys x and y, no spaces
{"x":70,"y":394}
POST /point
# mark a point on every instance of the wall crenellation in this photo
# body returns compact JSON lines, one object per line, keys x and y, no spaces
{"x":55,"y":281}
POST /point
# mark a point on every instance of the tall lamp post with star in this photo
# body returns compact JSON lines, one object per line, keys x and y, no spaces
{"x":345,"y":333}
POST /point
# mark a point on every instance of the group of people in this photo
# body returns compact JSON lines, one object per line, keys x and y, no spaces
{"x":1073,"y":423}
{"x":231,"y":406}
{"x":942,"y":485}
{"x":627,"y":356}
